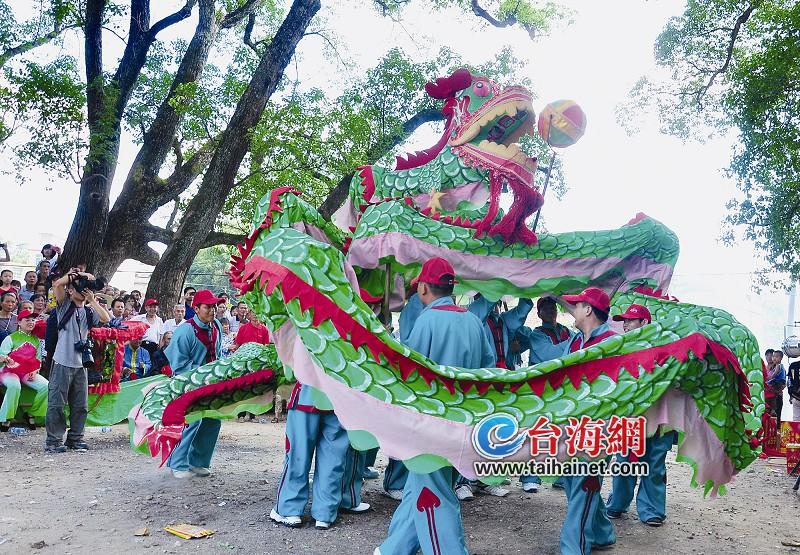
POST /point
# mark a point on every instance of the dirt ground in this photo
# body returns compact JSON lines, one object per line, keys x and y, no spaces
{"x":78,"y":502}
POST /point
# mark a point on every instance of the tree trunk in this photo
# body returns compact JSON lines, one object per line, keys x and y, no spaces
{"x":105,"y":104}
{"x":220,"y":177}
{"x":91,"y":216}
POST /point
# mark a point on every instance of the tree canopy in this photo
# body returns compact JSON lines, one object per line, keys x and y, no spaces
{"x":214,"y":119}
{"x":735,"y":65}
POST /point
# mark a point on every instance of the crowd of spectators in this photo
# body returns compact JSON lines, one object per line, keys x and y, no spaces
{"x":142,"y":358}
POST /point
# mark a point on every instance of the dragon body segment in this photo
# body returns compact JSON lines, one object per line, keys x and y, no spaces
{"x":695,"y":369}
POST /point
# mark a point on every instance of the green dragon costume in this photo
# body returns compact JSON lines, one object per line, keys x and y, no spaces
{"x":695,"y":369}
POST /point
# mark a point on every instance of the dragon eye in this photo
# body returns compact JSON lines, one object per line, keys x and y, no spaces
{"x":480,"y":89}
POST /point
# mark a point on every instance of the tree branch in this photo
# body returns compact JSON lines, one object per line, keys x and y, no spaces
{"x":222,"y":238}
{"x":235,"y":17}
{"x":29,"y":45}
{"x":173,"y":18}
{"x":183,"y":175}
{"x":509,"y":21}
{"x":248,"y":33}
{"x":741,"y":20}
{"x":339,"y":193}
{"x":150,"y":232}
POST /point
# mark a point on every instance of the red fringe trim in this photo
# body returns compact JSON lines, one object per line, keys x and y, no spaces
{"x":237,"y":261}
{"x":135,"y":330}
{"x":657,"y":293}
{"x":269,"y":275}
{"x":164,"y":439}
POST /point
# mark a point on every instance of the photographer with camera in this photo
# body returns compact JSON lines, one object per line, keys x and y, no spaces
{"x":72,"y":356}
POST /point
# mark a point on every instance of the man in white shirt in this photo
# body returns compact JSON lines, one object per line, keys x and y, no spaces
{"x":178,"y":314}
{"x":239,"y":317}
{"x":154,"y":323}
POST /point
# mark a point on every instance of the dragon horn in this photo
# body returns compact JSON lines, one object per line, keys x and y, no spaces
{"x":447,"y":87}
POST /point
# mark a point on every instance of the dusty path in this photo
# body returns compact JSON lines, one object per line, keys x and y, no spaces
{"x":84,"y":502}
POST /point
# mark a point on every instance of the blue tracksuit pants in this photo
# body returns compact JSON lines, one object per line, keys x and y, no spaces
{"x":428,"y":517}
{"x":307,"y":432}
{"x":353,"y":478}
{"x":395,"y":475}
{"x":196,"y":446}
{"x":651,"y":497}
{"x":586,"y":523}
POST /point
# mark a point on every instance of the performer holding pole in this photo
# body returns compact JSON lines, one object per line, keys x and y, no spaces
{"x":429,"y":516}
{"x":194,"y":343}
{"x":651,"y":497}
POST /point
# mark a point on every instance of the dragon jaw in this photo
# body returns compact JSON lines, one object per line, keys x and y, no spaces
{"x":494,"y":128}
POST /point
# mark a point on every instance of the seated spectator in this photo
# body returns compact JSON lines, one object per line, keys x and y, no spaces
{"x":252,"y":331}
{"x":8,"y":316}
{"x":239,"y":317}
{"x":39,"y":305}
{"x":43,"y":273}
{"x":154,"y":323}
{"x":117,"y":309}
{"x":776,"y":383}
{"x":160,"y":361}
{"x":188,"y":297}
{"x":13,"y":381}
{"x":5,"y":257}
{"x":178,"y":312}
{"x":228,"y":339}
{"x":135,"y":362}
{"x":29,"y":290}
{"x":6,"y":277}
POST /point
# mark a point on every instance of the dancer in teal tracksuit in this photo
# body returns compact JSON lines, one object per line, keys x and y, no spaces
{"x":447,"y":335}
{"x":500,"y":328}
{"x":651,"y":497}
{"x":394,"y":478}
{"x":538,"y":342}
{"x":586,"y":525}
{"x":193,"y":344}
{"x":310,"y":430}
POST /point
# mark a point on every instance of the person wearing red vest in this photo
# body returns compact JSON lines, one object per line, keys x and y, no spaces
{"x":586,"y":525}
{"x":539,"y":342}
{"x":194,"y":343}
{"x":501,"y":327}
{"x":428,"y":518}
{"x":651,"y":497}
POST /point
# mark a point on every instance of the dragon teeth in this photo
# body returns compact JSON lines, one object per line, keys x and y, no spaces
{"x":505,"y":109}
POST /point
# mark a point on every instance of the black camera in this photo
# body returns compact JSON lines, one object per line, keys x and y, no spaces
{"x":81,"y":283}
{"x":84,"y":347}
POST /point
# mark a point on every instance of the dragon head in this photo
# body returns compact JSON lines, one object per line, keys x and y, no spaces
{"x":487,"y":122}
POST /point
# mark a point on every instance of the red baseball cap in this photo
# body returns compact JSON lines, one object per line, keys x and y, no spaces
{"x":26,"y":314}
{"x":593,"y":296}
{"x":204,"y":296}
{"x":634,"y":312}
{"x":148,"y":302}
{"x":436,"y":270}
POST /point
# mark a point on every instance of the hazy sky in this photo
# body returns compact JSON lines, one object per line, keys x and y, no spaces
{"x":611,"y":175}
